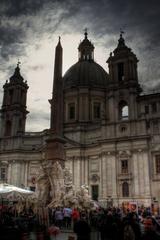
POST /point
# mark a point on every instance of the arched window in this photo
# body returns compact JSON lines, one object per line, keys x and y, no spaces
{"x":125,"y":189}
{"x":123,"y":110}
{"x":8,"y":128}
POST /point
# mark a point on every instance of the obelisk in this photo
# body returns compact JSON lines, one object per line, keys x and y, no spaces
{"x":55,"y":142}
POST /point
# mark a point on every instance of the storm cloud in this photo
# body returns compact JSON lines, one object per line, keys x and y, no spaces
{"x":23,"y":20}
{"x":26,"y":23}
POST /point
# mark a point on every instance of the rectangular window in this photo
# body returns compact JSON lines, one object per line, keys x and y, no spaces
{"x":147,"y":124}
{"x":3,"y":174}
{"x":97,"y":110}
{"x":157,"y":163}
{"x":154,"y":107}
{"x":120,"y":71}
{"x":71,"y":111}
{"x":155,"y":127}
{"x":124,"y":166}
{"x":146,"y":109}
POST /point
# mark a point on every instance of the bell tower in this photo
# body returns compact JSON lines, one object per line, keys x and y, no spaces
{"x":124,"y":87}
{"x":122,"y":65}
{"x":13,"y":111}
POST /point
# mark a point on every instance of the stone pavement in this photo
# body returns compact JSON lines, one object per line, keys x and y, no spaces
{"x":65,"y":234}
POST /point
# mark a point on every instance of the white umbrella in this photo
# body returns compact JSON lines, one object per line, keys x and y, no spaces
{"x":15,"y":193}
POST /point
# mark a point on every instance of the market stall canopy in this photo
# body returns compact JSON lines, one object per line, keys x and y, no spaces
{"x":15,"y":193}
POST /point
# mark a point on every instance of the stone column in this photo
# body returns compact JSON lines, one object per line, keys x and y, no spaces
{"x":147,"y":190}
{"x":16,"y":173}
{"x":113,"y":176}
{"x":101,"y":178}
{"x":82,"y":170}
{"x":77,"y":177}
{"x":113,"y":114}
{"x":104,"y":176}
{"x":9,"y":172}
{"x":26,"y":166}
{"x":109,"y":176}
{"x":140,"y":172}
{"x":136,"y":175}
{"x":86,"y":169}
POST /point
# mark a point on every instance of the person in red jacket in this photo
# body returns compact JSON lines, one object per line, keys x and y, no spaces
{"x":75,"y":215}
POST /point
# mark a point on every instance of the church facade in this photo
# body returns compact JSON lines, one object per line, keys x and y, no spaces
{"x":111,"y":129}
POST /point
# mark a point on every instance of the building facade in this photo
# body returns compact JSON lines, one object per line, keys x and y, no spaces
{"x":111,"y":130}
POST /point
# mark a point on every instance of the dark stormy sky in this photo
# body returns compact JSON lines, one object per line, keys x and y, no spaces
{"x":29,"y":31}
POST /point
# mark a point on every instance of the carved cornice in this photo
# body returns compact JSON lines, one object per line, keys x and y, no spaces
{"x":107,"y":153}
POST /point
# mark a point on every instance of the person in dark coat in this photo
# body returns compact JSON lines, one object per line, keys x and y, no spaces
{"x":150,"y":233}
{"x":133,"y":226}
{"x":82,"y":229}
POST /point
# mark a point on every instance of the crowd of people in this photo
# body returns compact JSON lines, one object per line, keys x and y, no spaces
{"x":111,"y":223}
{"x":14,"y":225}
{"x":108,"y":223}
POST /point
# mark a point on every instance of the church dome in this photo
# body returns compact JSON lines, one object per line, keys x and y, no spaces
{"x":85,"y":73}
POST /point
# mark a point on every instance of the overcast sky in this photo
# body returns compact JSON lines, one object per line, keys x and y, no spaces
{"x":29,"y":31}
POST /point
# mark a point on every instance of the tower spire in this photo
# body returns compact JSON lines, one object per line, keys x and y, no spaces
{"x":14,"y":105}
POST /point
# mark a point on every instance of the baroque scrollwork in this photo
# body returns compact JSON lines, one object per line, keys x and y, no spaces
{"x":94,"y":178}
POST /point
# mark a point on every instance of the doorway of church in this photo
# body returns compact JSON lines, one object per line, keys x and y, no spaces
{"x":95,"y":192}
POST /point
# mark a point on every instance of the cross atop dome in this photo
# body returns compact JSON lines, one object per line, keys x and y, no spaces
{"x":121,"y":41}
{"x":86,"y":32}
{"x":121,"y":33}
{"x":18,"y":63}
{"x":17,"y":69}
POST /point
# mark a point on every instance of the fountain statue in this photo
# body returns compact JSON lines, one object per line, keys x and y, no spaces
{"x":55,"y":188}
